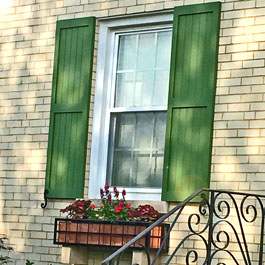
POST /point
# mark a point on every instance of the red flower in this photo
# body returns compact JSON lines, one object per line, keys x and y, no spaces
{"x":123,"y":192}
{"x":109,"y":198}
{"x":101,"y":193}
{"x":118,"y":208}
{"x":106,"y":187}
{"x":93,"y":206}
{"x":128,"y":206}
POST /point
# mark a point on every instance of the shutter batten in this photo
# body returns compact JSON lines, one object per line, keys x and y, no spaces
{"x":191,"y":100}
{"x":72,"y":75}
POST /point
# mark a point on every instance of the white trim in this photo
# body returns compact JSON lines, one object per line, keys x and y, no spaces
{"x":102,"y":104}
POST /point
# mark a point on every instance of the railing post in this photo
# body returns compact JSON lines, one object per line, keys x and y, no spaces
{"x":262,"y":236}
{"x":210,"y":230}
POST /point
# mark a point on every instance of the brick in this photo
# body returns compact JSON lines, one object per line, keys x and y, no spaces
{"x":225,"y":151}
{"x":260,"y":186}
{"x":253,"y":46}
{"x":259,"y":54}
{"x":244,"y":4}
{"x":240,"y":90}
{"x":249,"y":115}
{"x":124,"y":3}
{"x":237,"y":48}
{"x":231,"y":65}
{"x":230,"y":82}
{"x":49,"y":258}
{"x":58,"y":11}
{"x":242,"y":56}
{"x":259,"y":29}
{"x":223,"y":74}
{"x":253,"y":63}
{"x":233,"y":116}
{"x":154,"y":7}
{"x":248,"y":133}
{"x":235,"y":142}
{"x":237,"y":159}
{"x":257,"y":124}
{"x":247,"y":150}
{"x":74,"y":9}
{"x":251,"y":98}
{"x":238,"y":124}
{"x":252,"y":80}
{"x":257,"y":106}
{"x":260,"y":3}
{"x":259,"y":71}
{"x":256,"y":141}
{"x":135,"y":9}
{"x":117,"y":11}
{"x":228,"y":99}
{"x":255,"y":12}
{"x":71,"y":3}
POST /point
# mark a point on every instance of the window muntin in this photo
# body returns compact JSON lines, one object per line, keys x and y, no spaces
{"x":138,"y":116}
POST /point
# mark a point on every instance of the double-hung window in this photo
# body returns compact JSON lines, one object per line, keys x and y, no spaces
{"x":138,"y":110}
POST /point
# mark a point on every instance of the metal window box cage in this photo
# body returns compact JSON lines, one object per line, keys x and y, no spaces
{"x":108,"y":234}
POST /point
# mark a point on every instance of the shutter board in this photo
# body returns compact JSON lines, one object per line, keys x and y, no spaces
{"x":67,"y":146}
{"x":191,"y":100}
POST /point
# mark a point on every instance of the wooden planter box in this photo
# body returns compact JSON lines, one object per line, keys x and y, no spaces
{"x":106,"y":233}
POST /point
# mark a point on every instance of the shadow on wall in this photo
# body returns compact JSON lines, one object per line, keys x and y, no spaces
{"x":27,"y":50}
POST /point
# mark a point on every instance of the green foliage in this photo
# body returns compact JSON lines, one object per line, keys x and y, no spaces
{"x":113,"y":208}
{"x":28,"y":262}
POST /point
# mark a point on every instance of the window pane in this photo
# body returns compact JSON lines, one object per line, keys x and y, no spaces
{"x":163,"y":49}
{"x":160,"y":96}
{"x":146,"y":51}
{"x":137,"y":149}
{"x":125,"y":89}
{"x":127,"y":51}
{"x":144,"y":88}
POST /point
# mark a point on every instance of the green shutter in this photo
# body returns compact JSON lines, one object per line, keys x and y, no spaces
{"x":66,"y":160}
{"x":191,"y":100}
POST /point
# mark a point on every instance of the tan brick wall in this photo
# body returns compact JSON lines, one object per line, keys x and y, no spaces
{"x":27,"y":30}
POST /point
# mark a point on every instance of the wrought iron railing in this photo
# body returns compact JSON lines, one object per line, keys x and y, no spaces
{"x":225,"y":228}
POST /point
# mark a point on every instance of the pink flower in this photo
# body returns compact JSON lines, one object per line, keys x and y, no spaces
{"x":106,"y":187}
{"x":101,"y":193}
{"x":123,"y":192}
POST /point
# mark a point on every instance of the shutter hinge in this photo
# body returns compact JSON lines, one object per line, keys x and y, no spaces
{"x":43,"y":205}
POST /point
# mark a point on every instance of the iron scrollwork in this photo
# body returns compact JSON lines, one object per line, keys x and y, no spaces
{"x":219,"y":224}
{"x":44,"y":204}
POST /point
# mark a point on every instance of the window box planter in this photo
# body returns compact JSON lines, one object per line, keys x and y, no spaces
{"x":108,"y":234}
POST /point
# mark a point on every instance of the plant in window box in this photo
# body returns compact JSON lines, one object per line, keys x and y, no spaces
{"x":112,"y":224}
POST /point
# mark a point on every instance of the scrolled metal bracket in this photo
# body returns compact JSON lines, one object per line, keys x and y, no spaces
{"x":44,"y":204}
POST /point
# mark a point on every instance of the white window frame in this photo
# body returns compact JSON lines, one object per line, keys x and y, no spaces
{"x":106,"y":59}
